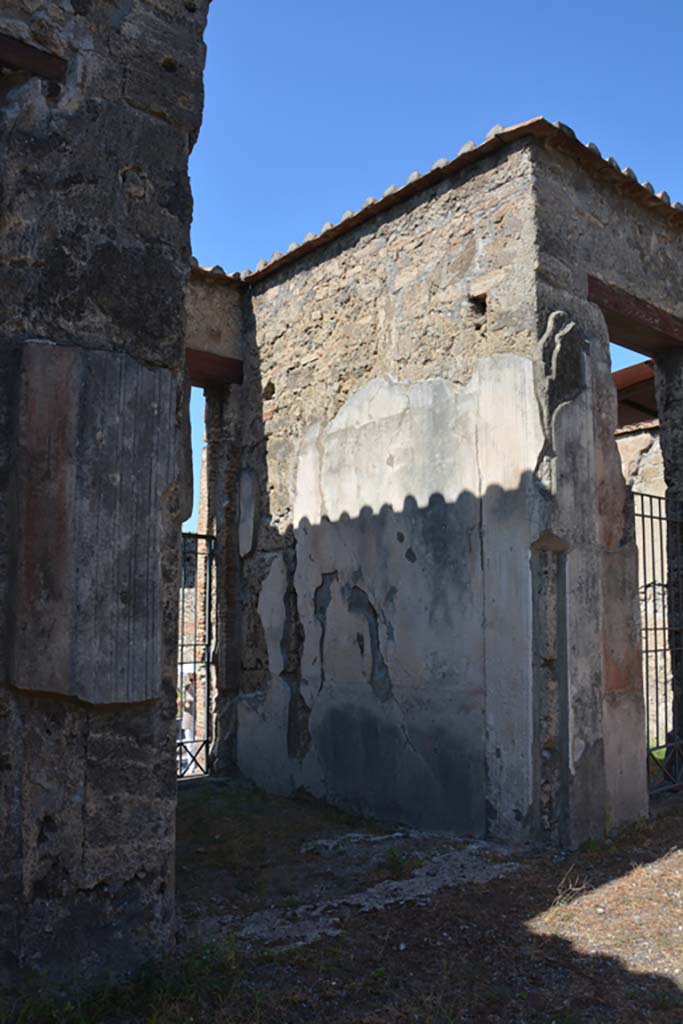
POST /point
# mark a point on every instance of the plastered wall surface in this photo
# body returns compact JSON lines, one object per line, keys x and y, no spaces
{"x":402,"y":602}
{"x":390,"y":433}
{"x":428,"y":503}
{"x":213,"y":312}
{"x":587,"y":227}
{"x":94,"y":257}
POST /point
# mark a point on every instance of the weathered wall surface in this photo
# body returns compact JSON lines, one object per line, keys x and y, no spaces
{"x":591,"y":226}
{"x":386,"y":513}
{"x":586,"y":226}
{"x":640,"y":453}
{"x":213,"y":309}
{"x":669,"y":392}
{"x":643,"y":468}
{"x":402,"y":605}
{"x":430,"y":500}
{"x":94,"y":251}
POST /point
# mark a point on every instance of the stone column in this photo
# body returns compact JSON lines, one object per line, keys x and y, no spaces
{"x":589,"y":719}
{"x":94,"y":255}
{"x":223,"y":422}
{"x":669,"y":385}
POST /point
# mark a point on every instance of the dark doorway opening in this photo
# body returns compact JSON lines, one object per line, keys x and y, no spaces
{"x":196,"y":616}
{"x":648,"y":331}
{"x":195,"y":654}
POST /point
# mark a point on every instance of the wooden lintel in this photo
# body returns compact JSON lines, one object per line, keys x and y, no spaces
{"x":638,"y":406}
{"x":635,"y":323}
{"x":208,"y":370}
{"x":18,"y":56}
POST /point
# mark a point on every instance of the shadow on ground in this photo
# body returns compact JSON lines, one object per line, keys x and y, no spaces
{"x":485,"y":934}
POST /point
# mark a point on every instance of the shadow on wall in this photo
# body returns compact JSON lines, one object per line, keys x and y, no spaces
{"x":397,"y":662}
{"x":404,"y":602}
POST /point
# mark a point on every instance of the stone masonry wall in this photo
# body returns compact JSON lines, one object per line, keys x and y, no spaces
{"x":641,"y":458}
{"x":587,"y":227}
{"x":390,"y":432}
{"x":429,"y":500}
{"x":94,"y":256}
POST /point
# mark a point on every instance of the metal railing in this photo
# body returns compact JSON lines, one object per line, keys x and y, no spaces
{"x":195,"y":642}
{"x":659,"y":526}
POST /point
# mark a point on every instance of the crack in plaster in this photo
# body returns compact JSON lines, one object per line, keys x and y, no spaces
{"x":321,"y":602}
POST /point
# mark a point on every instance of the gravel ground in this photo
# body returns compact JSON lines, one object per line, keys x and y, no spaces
{"x":291,"y":913}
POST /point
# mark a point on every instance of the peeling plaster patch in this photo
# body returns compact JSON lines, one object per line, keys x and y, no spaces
{"x":380,"y":680}
{"x":247,"y":519}
{"x":578,"y":747}
{"x":307,"y":495}
{"x":412,"y":693}
{"x":298,"y":733}
{"x":641,"y":459}
{"x":271,"y":612}
{"x":292,"y":630}
{"x":321,"y":602}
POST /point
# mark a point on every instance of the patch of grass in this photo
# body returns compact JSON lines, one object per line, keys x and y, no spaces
{"x":470,"y":955}
{"x":570,"y":887}
{"x":178,"y":991}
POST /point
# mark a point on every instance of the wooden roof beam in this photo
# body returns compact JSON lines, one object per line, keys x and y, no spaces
{"x":18,"y":56}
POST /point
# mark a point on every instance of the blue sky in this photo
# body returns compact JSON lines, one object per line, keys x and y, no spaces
{"x":311,"y":107}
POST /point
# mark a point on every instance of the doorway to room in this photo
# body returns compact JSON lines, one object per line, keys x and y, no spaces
{"x":196,"y":615}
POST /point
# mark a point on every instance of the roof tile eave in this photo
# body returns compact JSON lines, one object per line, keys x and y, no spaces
{"x":556,"y":133}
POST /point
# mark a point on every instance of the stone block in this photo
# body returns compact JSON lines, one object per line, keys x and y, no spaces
{"x":214,"y":319}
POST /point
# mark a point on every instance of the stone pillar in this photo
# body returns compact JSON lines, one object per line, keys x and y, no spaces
{"x":223,"y":421}
{"x":590,"y":744}
{"x":94,"y":255}
{"x":669,"y":385}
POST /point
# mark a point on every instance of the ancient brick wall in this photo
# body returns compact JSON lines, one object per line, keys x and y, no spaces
{"x":94,"y":257}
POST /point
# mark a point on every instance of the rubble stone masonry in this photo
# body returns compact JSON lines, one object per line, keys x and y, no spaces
{"x":420,"y":499}
{"x":94,"y":257}
{"x":390,"y":323}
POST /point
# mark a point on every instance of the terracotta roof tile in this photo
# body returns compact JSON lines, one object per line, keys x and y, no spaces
{"x":555,"y":133}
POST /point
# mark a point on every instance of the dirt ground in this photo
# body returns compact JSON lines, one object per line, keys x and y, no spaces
{"x":290,"y":912}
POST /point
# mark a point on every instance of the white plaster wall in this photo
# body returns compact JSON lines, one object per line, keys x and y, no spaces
{"x":412,"y":521}
{"x":605,"y":782}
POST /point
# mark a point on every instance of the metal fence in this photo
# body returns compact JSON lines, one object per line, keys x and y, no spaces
{"x":659,"y":526}
{"x":195,"y":641}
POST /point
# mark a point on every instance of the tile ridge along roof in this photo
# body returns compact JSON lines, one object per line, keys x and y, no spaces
{"x":556,"y":133}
